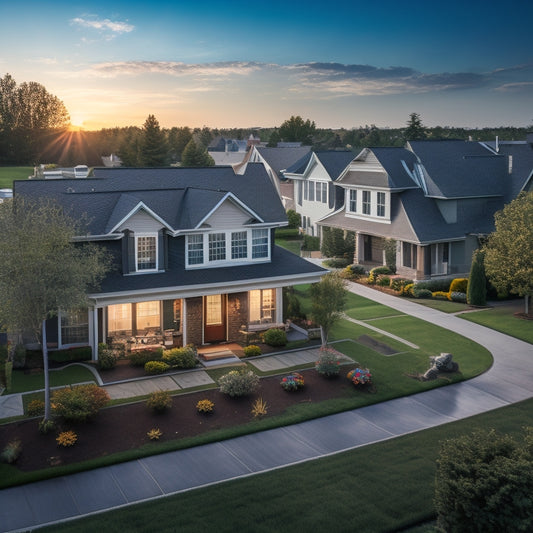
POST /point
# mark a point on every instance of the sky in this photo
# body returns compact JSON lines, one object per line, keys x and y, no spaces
{"x":223,"y":64}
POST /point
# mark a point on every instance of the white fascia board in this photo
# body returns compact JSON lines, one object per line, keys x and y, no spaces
{"x":167,"y":293}
{"x":136,"y":209}
{"x":106,"y":237}
{"x":232,"y":197}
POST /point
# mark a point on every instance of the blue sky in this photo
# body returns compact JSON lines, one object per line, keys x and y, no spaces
{"x":243,"y":64}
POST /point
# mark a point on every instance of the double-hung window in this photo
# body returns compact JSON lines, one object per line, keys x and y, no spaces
{"x":259,"y":243}
{"x":262,"y":306}
{"x":353,"y":201}
{"x":366,"y":202}
{"x":239,"y":245}
{"x":217,"y":246}
{"x":195,"y":249}
{"x":146,"y":253}
{"x":381,"y":204}
{"x":311,"y":191}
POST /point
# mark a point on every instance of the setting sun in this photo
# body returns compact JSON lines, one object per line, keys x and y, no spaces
{"x":76,"y":121}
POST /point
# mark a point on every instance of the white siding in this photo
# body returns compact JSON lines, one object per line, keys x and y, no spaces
{"x":227,"y":216}
{"x":141,"y":222}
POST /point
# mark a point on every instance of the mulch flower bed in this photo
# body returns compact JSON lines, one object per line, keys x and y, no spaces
{"x":125,"y":427}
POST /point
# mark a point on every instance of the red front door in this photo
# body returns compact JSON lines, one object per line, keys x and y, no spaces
{"x":215,"y":318}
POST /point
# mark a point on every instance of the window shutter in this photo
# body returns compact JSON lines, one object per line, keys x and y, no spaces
{"x":162,"y":259}
{"x":300,"y":187}
{"x":132,"y":267}
{"x":331,"y":195}
{"x":125,"y":252}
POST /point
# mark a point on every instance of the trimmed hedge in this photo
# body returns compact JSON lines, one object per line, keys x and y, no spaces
{"x":141,"y":357}
{"x":83,"y":353}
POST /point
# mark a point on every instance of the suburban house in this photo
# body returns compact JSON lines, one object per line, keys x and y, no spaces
{"x":313,"y":180}
{"x":193,"y":250}
{"x":276,"y":160}
{"x":435,"y":199}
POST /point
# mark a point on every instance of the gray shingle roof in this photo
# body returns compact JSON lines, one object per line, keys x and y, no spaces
{"x":459,"y":169}
{"x":334,"y":161}
{"x":179,"y":196}
{"x":281,"y":158}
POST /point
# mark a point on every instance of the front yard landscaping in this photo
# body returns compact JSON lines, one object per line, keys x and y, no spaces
{"x":120,"y":433}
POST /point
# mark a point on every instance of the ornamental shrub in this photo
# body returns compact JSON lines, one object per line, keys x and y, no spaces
{"x":259,"y":408}
{"x":435,"y":284}
{"x":459,"y":285}
{"x":476,"y":293}
{"x":292,"y":382}
{"x":251,"y":350}
{"x":456,"y":296}
{"x":35,"y":408}
{"x":383,"y":281}
{"x":353,"y":272}
{"x":408,"y":290}
{"x":82,"y":353}
{"x":328,"y":363}
{"x":46,"y":425}
{"x":154,"y":434}
{"x":440,"y":295}
{"x":422,"y":293}
{"x":378,"y":271}
{"x":181,"y":357}
{"x":311,"y":243}
{"x":360,"y":376}
{"x":275,"y":337}
{"x":397,"y":284}
{"x":337,"y":262}
{"x":67,"y":438}
{"x":11,"y":452}
{"x":238,"y":383}
{"x":156,"y":367}
{"x":205,"y":406}
{"x":159,"y":401}
{"x":79,"y":403}
{"x":106,"y":357}
{"x":141,"y":357}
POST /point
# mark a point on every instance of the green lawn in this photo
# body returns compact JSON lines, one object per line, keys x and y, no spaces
{"x":501,"y":319}
{"x":289,"y":239}
{"x":30,"y":382}
{"x":384,"y":487}
{"x":9,"y":174}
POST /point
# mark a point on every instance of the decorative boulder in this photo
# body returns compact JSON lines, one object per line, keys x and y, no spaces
{"x":441,"y":363}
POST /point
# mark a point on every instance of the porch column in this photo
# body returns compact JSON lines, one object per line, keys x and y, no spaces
{"x":279,"y":305}
{"x":359,"y":252}
{"x":93,"y":332}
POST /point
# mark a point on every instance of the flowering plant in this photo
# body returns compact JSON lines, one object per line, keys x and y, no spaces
{"x":360,"y":376}
{"x":154,"y":434}
{"x":67,"y":438}
{"x":205,"y":406}
{"x":292,"y":382}
{"x":328,"y":362}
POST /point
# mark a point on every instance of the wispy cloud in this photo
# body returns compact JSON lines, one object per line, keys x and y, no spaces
{"x":107,"y":27}
{"x":518,"y":87}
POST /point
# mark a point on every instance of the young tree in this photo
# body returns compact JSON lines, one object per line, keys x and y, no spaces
{"x":177,"y":140}
{"x":196,"y":156}
{"x":153,"y":149}
{"x":415,"y":130}
{"x":476,"y":292}
{"x":508,"y":251}
{"x":296,"y":129}
{"x":41,"y":270}
{"x":328,"y":301}
{"x":484,"y":482}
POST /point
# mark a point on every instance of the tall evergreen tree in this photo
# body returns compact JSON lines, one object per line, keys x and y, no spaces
{"x":476,"y":293}
{"x":415,"y":130}
{"x":196,"y":156}
{"x":153,"y":149}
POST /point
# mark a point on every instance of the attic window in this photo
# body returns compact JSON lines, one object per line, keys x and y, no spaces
{"x":146,"y":251}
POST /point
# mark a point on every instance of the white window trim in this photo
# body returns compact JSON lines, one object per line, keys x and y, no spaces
{"x":373,"y":215}
{"x":228,"y":261}
{"x":147,"y":270}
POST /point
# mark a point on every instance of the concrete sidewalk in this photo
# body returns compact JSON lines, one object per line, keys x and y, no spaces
{"x":508,"y":381}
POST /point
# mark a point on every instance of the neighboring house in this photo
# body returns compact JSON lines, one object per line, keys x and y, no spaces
{"x":436,"y":199}
{"x":195,"y":260}
{"x":275,"y":161}
{"x":112,"y":160}
{"x":79,"y":171}
{"x":314,"y":192}
{"x":227,"y":151}
{"x":5,"y":194}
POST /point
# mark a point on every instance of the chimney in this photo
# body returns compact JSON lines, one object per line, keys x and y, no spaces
{"x":497,"y":144}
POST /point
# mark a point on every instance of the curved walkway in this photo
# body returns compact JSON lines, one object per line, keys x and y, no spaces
{"x":508,"y":381}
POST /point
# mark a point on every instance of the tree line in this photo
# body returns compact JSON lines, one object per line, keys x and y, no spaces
{"x":34,"y":129}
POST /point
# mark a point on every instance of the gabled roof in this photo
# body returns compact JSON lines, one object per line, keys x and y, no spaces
{"x":394,"y":170}
{"x":178,"y":197}
{"x":333,"y":161}
{"x":281,"y":158}
{"x":460,"y":169}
